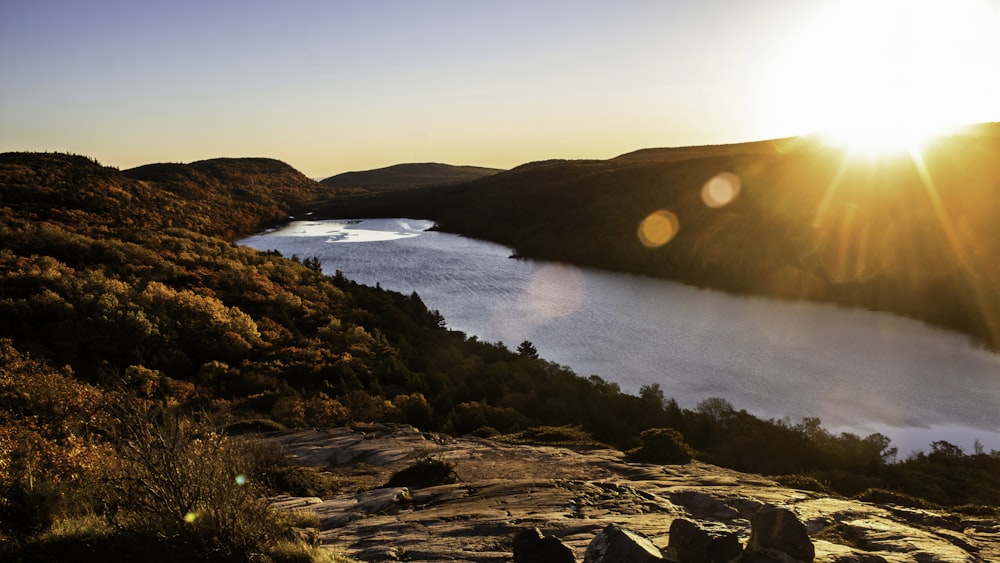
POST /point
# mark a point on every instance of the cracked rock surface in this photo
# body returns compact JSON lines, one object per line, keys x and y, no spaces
{"x":573,"y":494}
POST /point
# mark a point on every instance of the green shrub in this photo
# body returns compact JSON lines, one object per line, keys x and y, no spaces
{"x":662,"y":445}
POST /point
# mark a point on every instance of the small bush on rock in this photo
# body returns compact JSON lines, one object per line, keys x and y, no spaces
{"x":662,"y":445}
{"x":883,"y":496}
{"x":803,"y":483}
{"x":426,"y":472}
{"x":568,"y":435}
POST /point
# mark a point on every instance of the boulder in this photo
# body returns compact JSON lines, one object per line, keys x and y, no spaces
{"x":778,"y":534}
{"x":615,"y":544}
{"x":693,"y":542}
{"x":530,"y":546}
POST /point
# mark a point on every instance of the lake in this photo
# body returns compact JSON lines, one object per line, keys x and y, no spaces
{"x":858,"y":371}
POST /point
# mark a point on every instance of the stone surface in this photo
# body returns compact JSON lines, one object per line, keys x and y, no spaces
{"x":703,"y":542}
{"x":573,"y":494}
{"x":615,"y":544}
{"x":777,"y":533}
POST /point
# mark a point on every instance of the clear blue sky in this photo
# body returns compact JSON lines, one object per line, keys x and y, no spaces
{"x":330,"y":86}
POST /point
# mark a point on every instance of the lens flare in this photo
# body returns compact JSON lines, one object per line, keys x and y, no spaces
{"x":721,"y":190}
{"x":556,"y":290}
{"x":190,"y":517}
{"x":241,"y":479}
{"x":658,"y":228}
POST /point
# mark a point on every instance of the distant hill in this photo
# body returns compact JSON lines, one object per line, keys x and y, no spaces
{"x":914,"y":238}
{"x":403,"y":176}
{"x":768,"y":147}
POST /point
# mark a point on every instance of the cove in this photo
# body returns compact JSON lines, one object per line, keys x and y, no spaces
{"x":858,"y":371}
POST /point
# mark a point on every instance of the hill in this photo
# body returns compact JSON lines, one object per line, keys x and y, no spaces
{"x":673,"y":154}
{"x":404,"y":176}
{"x":136,"y":339}
{"x":787,"y":219}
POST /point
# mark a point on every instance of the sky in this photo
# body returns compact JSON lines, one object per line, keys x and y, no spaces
{"x":332,"y":86}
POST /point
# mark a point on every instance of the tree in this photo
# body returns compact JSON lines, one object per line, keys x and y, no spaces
{"x":653,"y":395}
{"x":527,"y":350}
{"x":944,"y":450}
{"x":716,"y":408}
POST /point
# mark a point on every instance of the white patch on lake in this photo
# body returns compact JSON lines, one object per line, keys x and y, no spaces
{"x":344,"y":231}
{"x":858,"y":371}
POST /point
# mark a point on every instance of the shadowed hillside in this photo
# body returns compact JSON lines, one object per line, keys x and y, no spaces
{"x":785,"y":219}
{"x":403,"y":176}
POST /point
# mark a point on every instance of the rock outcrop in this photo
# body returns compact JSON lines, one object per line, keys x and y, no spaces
{"x":703,"y":542}
{"x":615,"y":544}
{"x":777,"y":533}
{"x":531,"y":546}
{"x":572,"y":495}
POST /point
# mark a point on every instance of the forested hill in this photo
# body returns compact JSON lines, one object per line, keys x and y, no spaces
{"x":916,"y":237}
{"x":134,"y":335}
{"x":221,"y":197}
{"x":236,"y":195}
{"x":403,"y":176}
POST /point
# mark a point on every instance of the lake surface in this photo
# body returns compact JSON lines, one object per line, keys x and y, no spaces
{"x":858,"y":371}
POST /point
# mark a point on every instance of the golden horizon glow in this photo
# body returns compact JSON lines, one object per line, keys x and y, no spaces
{"x":877,"y":140}
{"x":886,"y":78}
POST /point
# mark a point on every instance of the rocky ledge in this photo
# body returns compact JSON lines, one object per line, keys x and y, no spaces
{"x":574,"y":495}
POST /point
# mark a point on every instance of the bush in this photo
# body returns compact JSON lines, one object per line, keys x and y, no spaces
{"x":426,"y":472}
{"x":485,"y":432}
{"x":280,"y":473}
{"x":846,"y":482}
{"x":883,"y":496}
{"x":802,"y":482}
{"x":662,"y":445}
{"x":254,"y":426}
{"x":178,"y":483}
{"x":27,"y":510}
{"x":977,"y":510}
{"x":553,"y":435}
{"x":300,"y":481}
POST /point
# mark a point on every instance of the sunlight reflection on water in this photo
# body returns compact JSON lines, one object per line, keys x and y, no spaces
{"x":343,"y":231}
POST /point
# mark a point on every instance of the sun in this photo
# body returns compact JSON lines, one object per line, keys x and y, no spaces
{"x":876,"y":137}
{"x":884,"y":76}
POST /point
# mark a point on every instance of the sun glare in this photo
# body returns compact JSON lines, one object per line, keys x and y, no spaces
{"x":878,"y":138}
{"x":885,"y":76}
